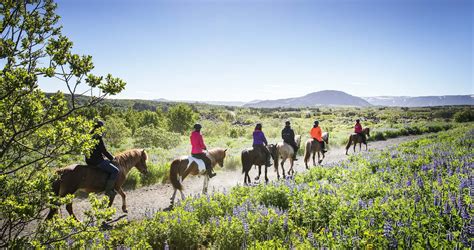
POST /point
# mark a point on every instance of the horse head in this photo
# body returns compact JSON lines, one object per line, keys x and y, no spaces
{"x":325,"y":137}
{"x":298,"y":140}
{"x":367,"y":131}
{"x":273,"y":151}
{"x":141,"y":164}
{"x":219,"y":155}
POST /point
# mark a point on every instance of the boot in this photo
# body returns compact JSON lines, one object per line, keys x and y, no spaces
{"x":109,"y":189}
{"x":209,"y":172}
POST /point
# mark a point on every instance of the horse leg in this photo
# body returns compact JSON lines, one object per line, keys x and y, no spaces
{"x":69,"y":210}
{"x":124,"y":202}
{"x":291,"y":171}
{"x":259,"y":173}
{"x":314,"y":158}
{"x":360,"y":146}
{"x":320,"y":160}
{"x":355,"y":144}
{"x":206,"y":183}
{"x":173,"y":196}
{"x":283,"y":167}
{"x":266,"y":177}
{"x":245,"y":178}
{"x":366,"y":146}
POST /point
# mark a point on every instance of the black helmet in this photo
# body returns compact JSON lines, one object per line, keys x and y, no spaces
{"x":258,"y":126}
{"x":357,"y":120}
{"x":287,"y":123}
{"x":197,"y":126}
{"x":316,"y":122}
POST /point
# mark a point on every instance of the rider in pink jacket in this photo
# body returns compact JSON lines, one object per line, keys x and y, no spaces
{"x":198,"y":147}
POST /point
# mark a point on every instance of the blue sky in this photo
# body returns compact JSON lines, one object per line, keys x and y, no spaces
{"x":233,"y":50}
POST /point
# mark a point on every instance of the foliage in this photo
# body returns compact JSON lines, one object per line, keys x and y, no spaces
{"x":466,"y":115}
{"x":149,"y":136}
{"x":414,"y":196}
{"x":116,"y":131}
{"x":181,"y":118}
{"x":39,"y":131}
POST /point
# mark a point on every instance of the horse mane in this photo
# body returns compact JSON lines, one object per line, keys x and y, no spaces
{"x":128,"y":158}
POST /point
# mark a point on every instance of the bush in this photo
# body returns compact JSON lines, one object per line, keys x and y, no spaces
{"x":149,"y":136}
{"x":181,"y":118}
{"x":379,"y":136}
{"x":116,"y":131}
{"x":464,"y":116}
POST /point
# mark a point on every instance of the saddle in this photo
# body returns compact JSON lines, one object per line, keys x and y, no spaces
{"x":200,"y":163}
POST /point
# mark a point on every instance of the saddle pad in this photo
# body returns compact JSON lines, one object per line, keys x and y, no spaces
{"x":200,"y":163}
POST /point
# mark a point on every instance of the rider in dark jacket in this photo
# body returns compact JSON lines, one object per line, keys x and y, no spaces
{"x":288,"y":136}
{"x":96,"y":158}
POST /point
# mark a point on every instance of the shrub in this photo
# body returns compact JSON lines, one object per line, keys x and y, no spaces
{"x":181,"y":118}
{"x":379,"y":136}
{"x":116,"y":131}
{"x":466,"y":115}
{"x":149,"y":136}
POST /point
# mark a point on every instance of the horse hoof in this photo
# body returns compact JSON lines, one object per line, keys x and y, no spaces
{"x":125,"y":210}
{"x":257,"y":178}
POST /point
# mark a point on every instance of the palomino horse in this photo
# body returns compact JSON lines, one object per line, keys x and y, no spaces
{"x":92,"y":179}
{"x":252,"y":157}
{"x":286,"y":151}
{"x":312,"y":147}
{"x":355,"y":138}
{"x":181,"y":167}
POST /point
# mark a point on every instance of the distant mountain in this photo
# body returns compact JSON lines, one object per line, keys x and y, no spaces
{"x":218,"y":103}
{"x":321,"y":98}
{"x":421,"y":101}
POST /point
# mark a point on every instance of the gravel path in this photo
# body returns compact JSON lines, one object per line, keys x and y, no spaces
{"x":153,"y":198}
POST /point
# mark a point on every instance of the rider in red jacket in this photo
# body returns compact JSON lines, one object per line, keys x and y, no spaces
{"x":198,"y":147}
{"x":358,"y":130}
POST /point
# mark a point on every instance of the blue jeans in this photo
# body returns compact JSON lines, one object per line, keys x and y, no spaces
{"x":110,"y":168}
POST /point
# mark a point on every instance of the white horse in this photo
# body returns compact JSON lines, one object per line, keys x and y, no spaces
{"x":286,"y":151}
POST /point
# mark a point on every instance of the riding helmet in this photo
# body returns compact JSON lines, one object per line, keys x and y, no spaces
{"x":287,"y":123}
{"x":258,"y":126}
{"x":197,"y":126}
{"x":316,"y":122}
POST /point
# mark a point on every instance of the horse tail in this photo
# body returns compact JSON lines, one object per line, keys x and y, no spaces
{"x":307,"y":151}
{"x":245,"y":159}
{"x":277,"y":157}
{"x":174,"y":172}
{"x":349,"y":142}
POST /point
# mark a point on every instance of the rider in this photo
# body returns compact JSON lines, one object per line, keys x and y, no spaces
{"x":96,"y":158}
{"x":316,"y":134}
{"x":198,"y":148}
{"x":288,"y":136}
{"x":260,"y":143}
{"x":358,"y":130}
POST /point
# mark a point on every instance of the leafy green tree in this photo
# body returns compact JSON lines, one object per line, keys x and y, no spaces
{"x":39,"y":131}
{"x":149,"y":136}
{"x":116,"y":131}
{"x":181,"y":118}
{"x":466,"y":115}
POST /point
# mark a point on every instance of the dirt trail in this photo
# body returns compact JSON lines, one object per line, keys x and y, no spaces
{"x":147,"y":200}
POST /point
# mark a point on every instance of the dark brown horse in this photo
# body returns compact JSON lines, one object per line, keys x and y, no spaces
{"x":312,"y":148}
{"x":180,"y":168}
{"x":355,"y":138}
{"x":252,"y":157}
{"x":91,"y":179}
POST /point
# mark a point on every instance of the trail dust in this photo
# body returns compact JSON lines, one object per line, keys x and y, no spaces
{"x":147,"y":200}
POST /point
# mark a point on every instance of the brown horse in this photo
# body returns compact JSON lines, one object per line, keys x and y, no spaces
{"x":92,"y":179}
{"x":251,"y":156}
{"x":181,"y":168}
{"x":286,"y":151}
{"x":355,"y":138}
{"x":312,"y":147}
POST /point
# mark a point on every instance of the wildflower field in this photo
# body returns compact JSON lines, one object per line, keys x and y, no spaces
{"x":417,"y":195}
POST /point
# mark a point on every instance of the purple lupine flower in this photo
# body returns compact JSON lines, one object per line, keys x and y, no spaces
{"x":372,"y":222}
{"x":437,"y":201}
{"x":449,"y":236}
{"x":464,"y":184}
{"x":425,"y":167}
{"x":440,"y":180}
{"x":285,"y":223}
{"x":419,"y":182}
{"x":371,"y":202}
{"x":417,"y":198}
{"x":271,"y":220}
{"x":246,"y":226}
{"x":387,"y":229}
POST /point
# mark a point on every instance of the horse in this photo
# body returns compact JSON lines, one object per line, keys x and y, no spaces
{"x":312,"y":147}
{"x":182,"y":167}
{"x":251,"y":156}
{"x":355,"y":138}
{"x":92,"y":179}
{"x":286,"y":151}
